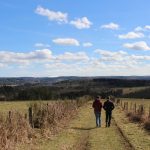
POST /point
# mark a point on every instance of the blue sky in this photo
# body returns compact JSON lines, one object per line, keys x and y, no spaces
{"x":84,"y":38}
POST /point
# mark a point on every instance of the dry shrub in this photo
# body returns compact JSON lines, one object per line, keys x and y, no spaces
{"x":136,"y":118}
{"x":129,"y":114}
{"x":82,"y":100}
{"x":147,"y":125}
{"x":50,"y":114}
{"x":14,"y":129}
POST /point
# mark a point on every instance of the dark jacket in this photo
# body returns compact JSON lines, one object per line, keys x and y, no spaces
{"x":108,"y":106}
{"x":97,"y":105}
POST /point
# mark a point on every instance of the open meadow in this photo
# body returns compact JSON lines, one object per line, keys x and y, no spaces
{"x":67,"y":125}
{"x":137,"y":102}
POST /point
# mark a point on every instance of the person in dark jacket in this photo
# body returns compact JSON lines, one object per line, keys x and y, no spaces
{"x":108,"y":107}
{"x":97,"y":105}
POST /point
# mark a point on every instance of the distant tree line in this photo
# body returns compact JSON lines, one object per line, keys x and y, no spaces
{"x":49,"y":93}
{"x":121,"y":82}
{"x":74,"y":89}
{"x":144,"y":93}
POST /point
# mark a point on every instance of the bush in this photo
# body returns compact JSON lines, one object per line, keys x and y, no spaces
{"x":129,"y":114}
{"x":136,"y":117}
{"x":14,"y":129}
{"x":147,"y":125}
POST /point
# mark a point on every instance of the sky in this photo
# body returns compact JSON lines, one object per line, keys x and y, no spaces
{"x":49,"y":38}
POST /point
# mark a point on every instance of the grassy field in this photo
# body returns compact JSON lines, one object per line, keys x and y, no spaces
{"x":128,"y":90}
{"x":144,"y":102}
{"x":19,"y":106}
{"x":81,"y":133}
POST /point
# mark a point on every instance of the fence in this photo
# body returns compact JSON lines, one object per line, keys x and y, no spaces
{"x":135,"y":108}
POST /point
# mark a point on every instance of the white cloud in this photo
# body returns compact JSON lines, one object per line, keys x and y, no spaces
{"x":147,"y":27}
{"x":106,"y":62}
{"x":81,"y":23}
{"x":42,"y":45}
{"x":68,"y":56}
{"x":137,"y":46}
{"x":2,"y":65}
{"x":66,"y":41}
{"x":112,"y":26}
{"x":52,"y":15}
{"x":111,"y":56}
{"x":87,"y":44}
{"x":25,"y":58}
{"x":121,"y":61}
{"x":139,"y":29}
{"x":131,"y":35}
{"x":140,"y":57}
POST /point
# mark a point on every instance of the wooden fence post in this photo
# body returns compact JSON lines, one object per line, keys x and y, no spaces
{"x":131,"y":106}
{"x":25,"y":116}
{"x":124,"y":107}
{"x":135,"y":107}
{"x":30,"y":117}
{"x":9,"y":116}
{"x":142,"y":109}
{"x":121,"y":103}
{"x":127,"y":106}
{"x":149,"y":112}
{"x":47,"y":108}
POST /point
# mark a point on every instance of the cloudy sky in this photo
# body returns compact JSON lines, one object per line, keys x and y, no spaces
{"x":74,"y":37}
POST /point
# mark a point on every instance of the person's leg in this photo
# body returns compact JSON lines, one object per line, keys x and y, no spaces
{"x":97,"y":119}
{"x":106,"y":118}
{"x":109,"y":118}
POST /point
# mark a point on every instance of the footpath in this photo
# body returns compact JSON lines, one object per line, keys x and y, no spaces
{"x":82,"y":134}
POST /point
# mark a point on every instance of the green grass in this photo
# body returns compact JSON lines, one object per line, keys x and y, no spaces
{"x":145,"y":102}
{"x":81,"y":132}
{"x":137,"y":136}
{"x":19,"y":106}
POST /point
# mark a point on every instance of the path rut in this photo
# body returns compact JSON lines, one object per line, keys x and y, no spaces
{"x":82,"y":134}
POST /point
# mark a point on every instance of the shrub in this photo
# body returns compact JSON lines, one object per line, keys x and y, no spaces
{"x":129,"y":114}
{"x":147,"y":125}
{"x":14,"y":129}
{"x":136,"y":117}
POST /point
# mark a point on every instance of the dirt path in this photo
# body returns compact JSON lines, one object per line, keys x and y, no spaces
{"x":82,"y":134}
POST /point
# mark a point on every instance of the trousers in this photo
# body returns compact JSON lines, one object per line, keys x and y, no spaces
{"x":98,"y":118}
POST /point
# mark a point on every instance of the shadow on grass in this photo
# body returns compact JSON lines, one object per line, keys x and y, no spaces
{"x":77,"y":128}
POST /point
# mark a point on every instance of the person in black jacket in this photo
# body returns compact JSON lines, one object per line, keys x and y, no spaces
{"x":108,"y":107}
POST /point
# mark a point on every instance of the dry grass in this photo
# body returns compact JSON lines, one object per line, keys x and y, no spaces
{"x":135,"y":133}
{"x":138,"y":111}
{"x":15,"y":127}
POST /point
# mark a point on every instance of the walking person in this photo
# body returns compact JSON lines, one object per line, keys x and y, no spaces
{"x":97,"y":105}
{"x":108,"y":107}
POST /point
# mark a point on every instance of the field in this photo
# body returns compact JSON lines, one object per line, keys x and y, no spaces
{"x":20,"y":106}
{"x":79,"y":132}
{"x":138,"y":102}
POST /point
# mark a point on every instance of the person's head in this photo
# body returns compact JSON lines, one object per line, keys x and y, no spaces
{"x":97,"y":98}
{"x":108,"y":98}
